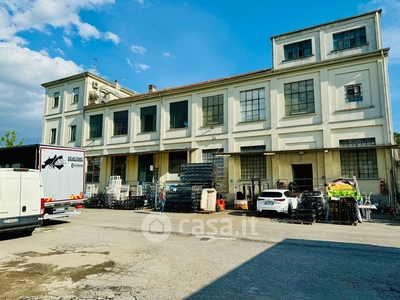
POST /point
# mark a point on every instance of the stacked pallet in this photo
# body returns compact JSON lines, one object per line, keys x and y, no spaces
{"x":198,"y":174}
{"x":183,"y":198}
{"x":343,"y":210}
{"x":310,"y":208}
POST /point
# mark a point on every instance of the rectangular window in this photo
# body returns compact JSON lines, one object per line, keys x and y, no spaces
{"x":93,"y":170}
{"x":353,"y":93}
{"x":360,"y":163}
{"x":176,"y":159}
{"x":75,"y":95}
{"x":213,"y":110}
{"x":96,"y":126}
{"x":56,"y":99}
{"x":252,"y":105}
{"x":363,"y":142}
{"x":348,"y":39}
{"x":53,"y":135}
{"x":299,"y":98}
{"x":121,"y":122}
{"x":298,"y":50}
{"x":253,"y":165}
{"x":148,"y":118}
{"x":119,"y":166}
{"x":72,"y":137}
{"x":178,"y":116}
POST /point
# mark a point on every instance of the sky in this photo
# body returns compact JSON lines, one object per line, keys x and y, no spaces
{"x":168,"y":43}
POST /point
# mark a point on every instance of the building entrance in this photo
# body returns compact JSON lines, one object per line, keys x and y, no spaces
{"x":303,"y":176}
{"x":145,"y":172}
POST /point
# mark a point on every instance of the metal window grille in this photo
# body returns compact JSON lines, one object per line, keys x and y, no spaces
{"x":252,"y":105}
{"x":348,"y":39}
{"x":359,"y":163}
{"x":298,"y":50}
{"x":299,"y":97}
{"x":213,"y":110}
{"x":353,"y":93}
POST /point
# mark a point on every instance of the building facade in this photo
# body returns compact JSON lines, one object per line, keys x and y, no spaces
{"x":321,"y":112}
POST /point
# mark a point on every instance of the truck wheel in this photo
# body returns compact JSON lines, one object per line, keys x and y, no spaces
{"x":217,"y":208}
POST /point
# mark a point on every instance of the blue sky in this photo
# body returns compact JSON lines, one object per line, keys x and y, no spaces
{"x":167,"y":43}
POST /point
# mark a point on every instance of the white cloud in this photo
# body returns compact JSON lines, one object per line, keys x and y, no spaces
{"x":138,"y":49}
{"x":112,"y":37}
{"x":67,"y":42}
{"x":167,"y":54}
{"x":139,"y":1}
{"x":141,"y":67}
{"x":22,"y":97}
{"x":21,"y":15}
{"x":128,"y":61}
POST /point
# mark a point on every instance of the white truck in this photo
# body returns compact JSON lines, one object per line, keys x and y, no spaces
{"x":20,"y":193}
{"x":62,"y":170}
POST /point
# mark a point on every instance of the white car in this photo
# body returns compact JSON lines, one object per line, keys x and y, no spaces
{"x":281,"y":201}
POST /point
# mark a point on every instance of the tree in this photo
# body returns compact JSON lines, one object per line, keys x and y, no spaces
{"x":9,"y":139}
{"x":397,"y":137}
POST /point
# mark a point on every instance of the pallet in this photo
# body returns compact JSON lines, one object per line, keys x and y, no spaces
{"x":345,"y":222}
{"x":303,"y":222}
{"x":205,"y":211}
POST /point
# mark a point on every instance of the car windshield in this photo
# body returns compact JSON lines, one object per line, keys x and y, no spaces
{"x":271,"y":194}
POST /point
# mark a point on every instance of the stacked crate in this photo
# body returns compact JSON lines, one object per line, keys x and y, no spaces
{"x":343,"y":210}
{"x":310,"y":208}
{"x":198,"y":174}
{"x":183,"y":198}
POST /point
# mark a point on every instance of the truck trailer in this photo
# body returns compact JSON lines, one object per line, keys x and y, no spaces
{"x":62,"y":170}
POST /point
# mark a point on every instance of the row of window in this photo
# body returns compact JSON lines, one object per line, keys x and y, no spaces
{"x":361,"y":163}
{"x":299,"y":99}
{"x":342,"y":40}
{"x":74,"y":100}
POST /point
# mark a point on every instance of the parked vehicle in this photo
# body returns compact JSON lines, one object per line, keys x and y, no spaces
{"x":279,"y":200}
{"x":21,"y":191}
{"x":62,"y":170}
{"x":240,"y":202}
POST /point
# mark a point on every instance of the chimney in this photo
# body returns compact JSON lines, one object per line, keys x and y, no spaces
{"x":152,"y":88}
{"x":117,"y":86}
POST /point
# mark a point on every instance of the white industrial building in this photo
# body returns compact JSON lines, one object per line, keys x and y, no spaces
{"x":321,"y":112}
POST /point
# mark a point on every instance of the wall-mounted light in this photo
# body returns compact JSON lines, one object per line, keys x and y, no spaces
{"x":326,"y":151}
{"x":269,"y":153}
{"x":301,"y":152}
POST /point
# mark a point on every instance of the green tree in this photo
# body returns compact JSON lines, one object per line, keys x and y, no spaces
{"x":397,"y":137}
{"x":9,"y":139}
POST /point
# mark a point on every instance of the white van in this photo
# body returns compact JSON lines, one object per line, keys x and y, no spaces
{"x":21,"y":193}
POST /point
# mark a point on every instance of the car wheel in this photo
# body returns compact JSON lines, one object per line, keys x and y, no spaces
{"x":289,"y":211}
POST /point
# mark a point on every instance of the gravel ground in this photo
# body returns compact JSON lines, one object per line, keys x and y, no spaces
{"x":112,"y":254}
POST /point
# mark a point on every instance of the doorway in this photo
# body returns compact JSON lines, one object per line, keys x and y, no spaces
{"x":145,"y":171}
{"x":303,"y":176}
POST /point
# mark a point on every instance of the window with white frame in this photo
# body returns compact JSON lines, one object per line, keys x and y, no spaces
{"x":178,"y":116}
{"x":53,"y":135}
{"x":148,"y":117}
{"x":353,"y":93}
{"x":299,"y":97}
{"x":75,"y":95}
{"x":252,"y":105}
{"x":298,"y":50}
{"x":121,"y":122}
{"x":72,"y":137}
{"x":213,"y":110}
{"x":96,"y":126}
{"x":350,"y":38}
{"x":253,"y":165}
{"x":56,"y":99}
